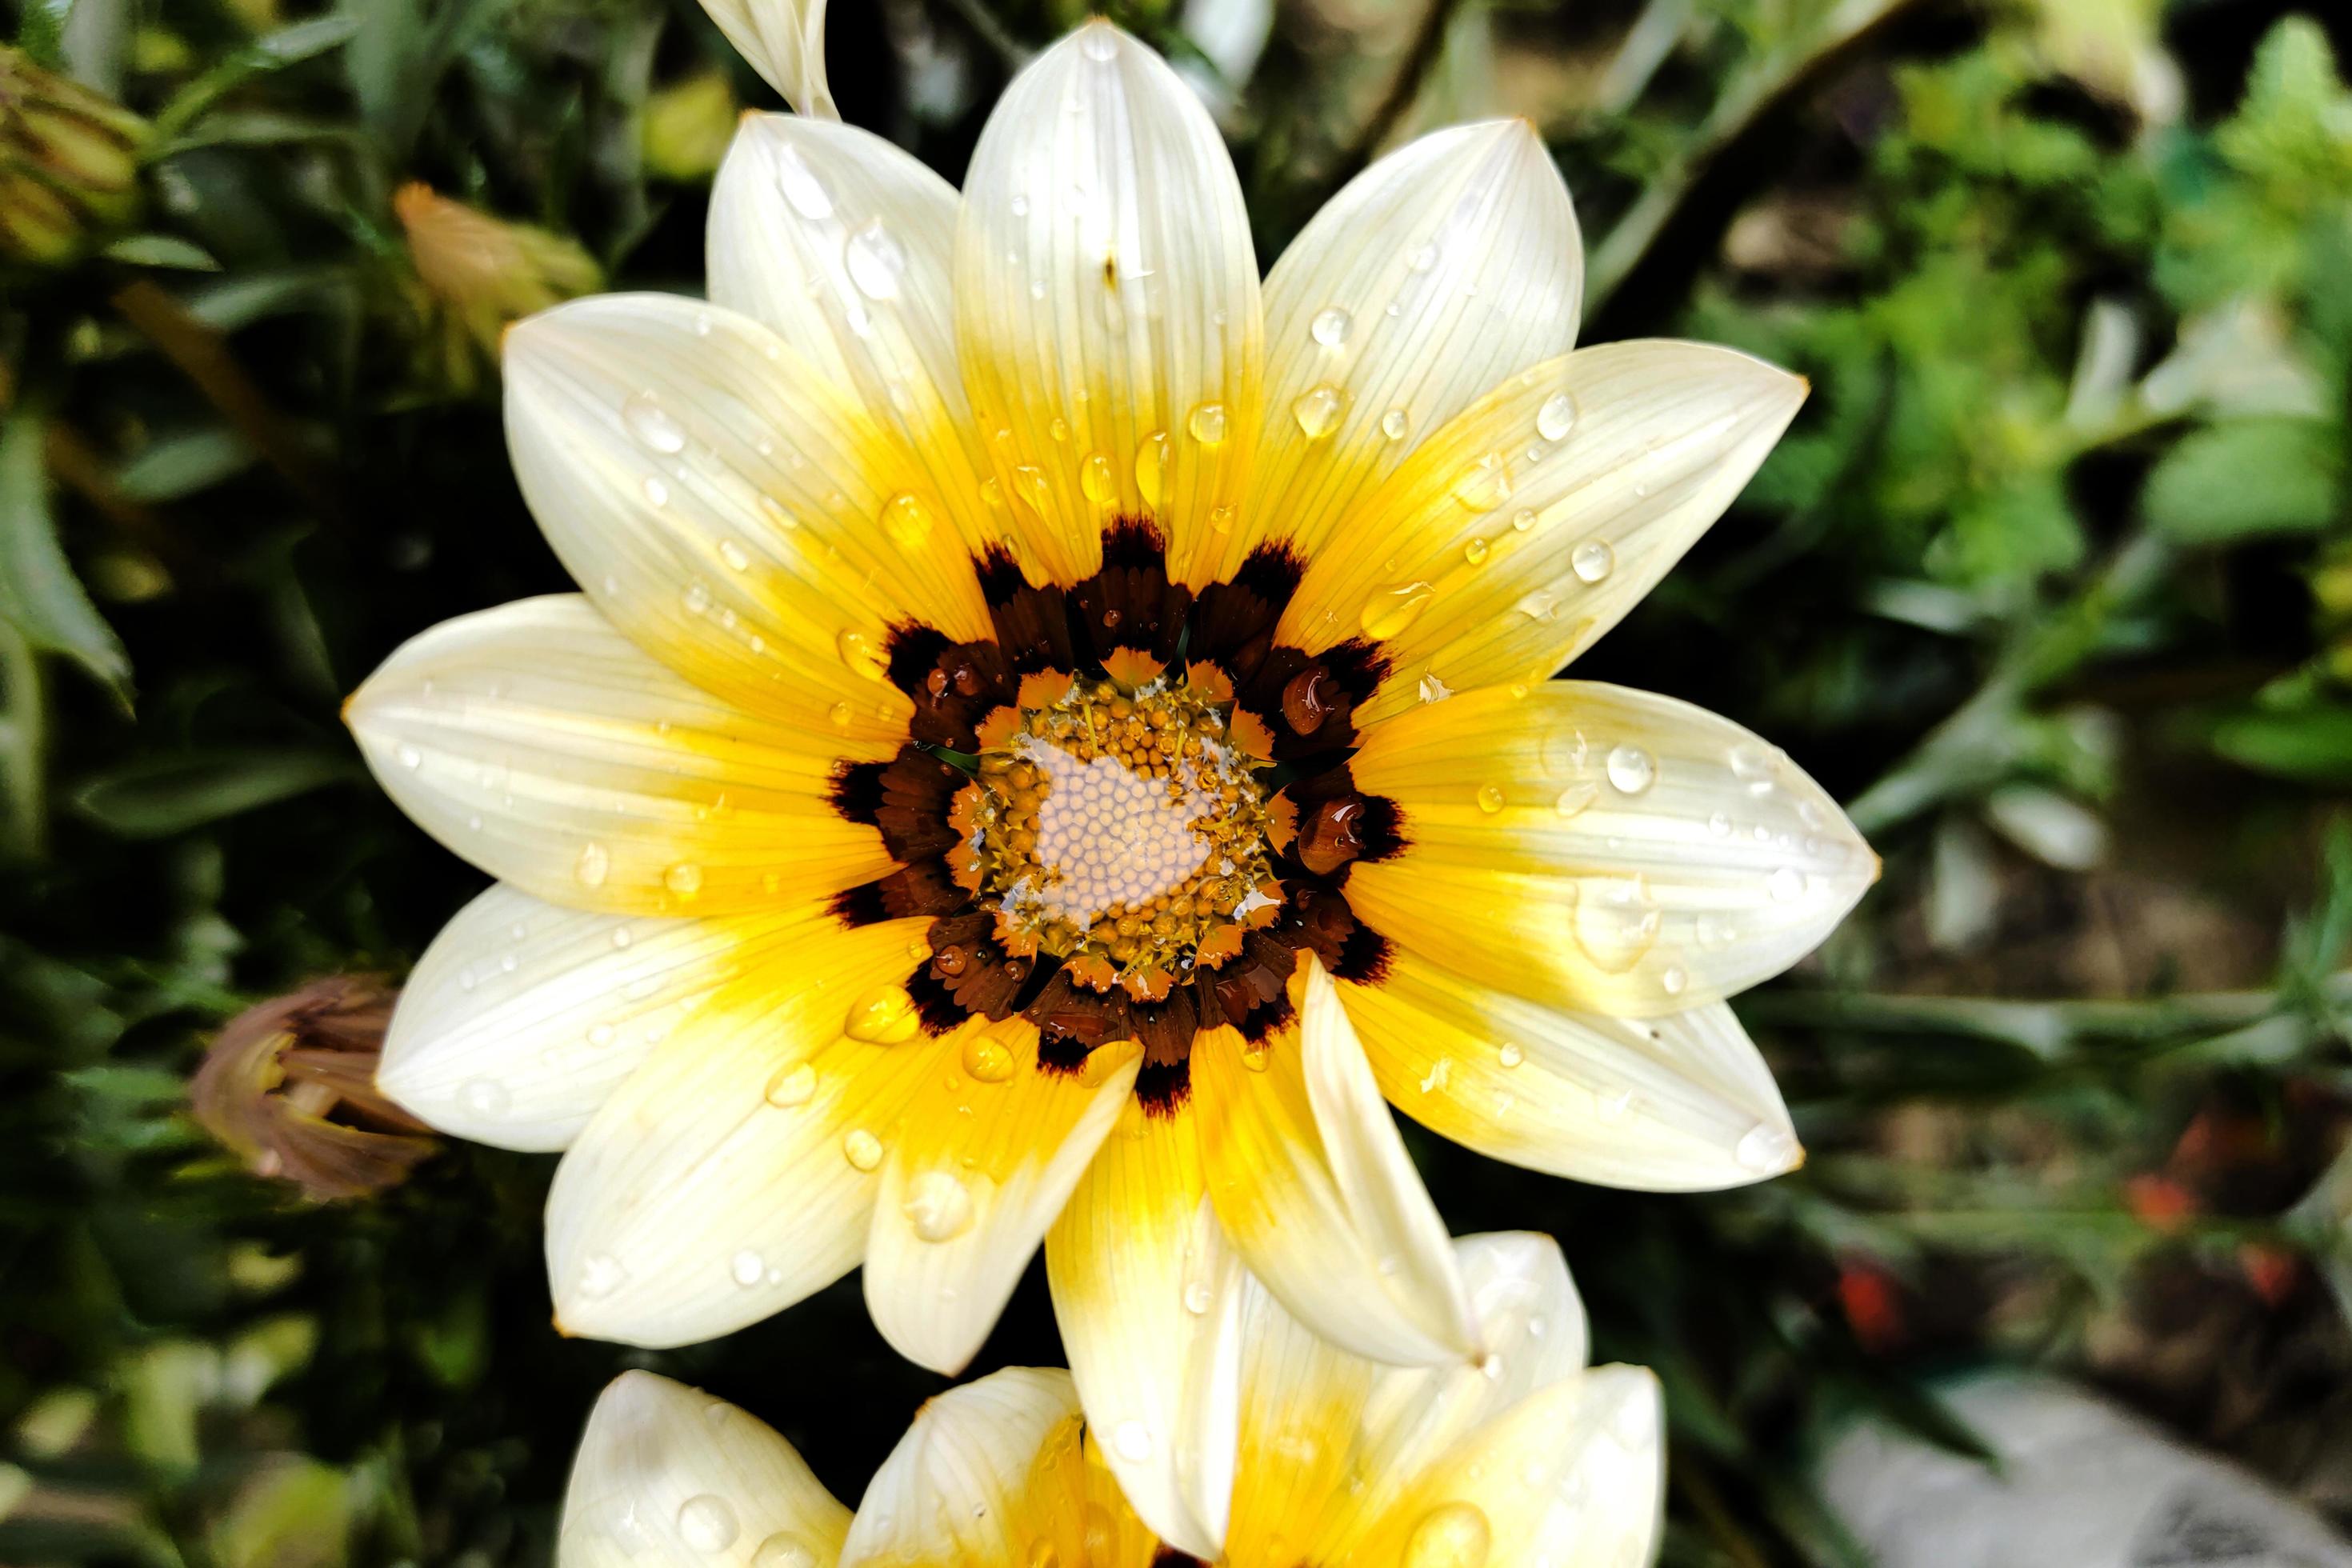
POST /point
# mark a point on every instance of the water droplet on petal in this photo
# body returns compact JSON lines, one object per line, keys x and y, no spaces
{"x":1573,"y":800}
{"x":1631,"y":770}
{"x":1391,"y":610}
{"x":792,"y":1086}
{"x":1257,"y":1054}
{"x":1319,"y":409}
{"x":875,"y":262}
{"x":784,"y":1550}
{"x":1523,"y":520}
{"x":1151,"y":467}
{"x":685,"y":878}
{"x":1132,"y":1440}
{"x":802,"y":190}
{"x":1674,"y":979}
{"x":859,"y":653}
{"x":656,"y":490}
{"x":884,"y":1015}
{"x":410,"y":757}
{"x":1511,"y":1056}
{"x":862,"y":1149}
{"x":1221,"y":518}
{"x":593,"y":865}
{"x":1451,"y":1535}
{"x":1485,"y":484}
{"x":906,"y":520}
{"x":938,"y":1206}
{"x":1199,"y":1297}
{"x":1099,"y":42}
{"x":1766,"y":1149}
{"x":707,"y":1523}
{"x":1490,"y":798}
{"x":747,"y":1268}
{"x":1593,"y":561}
{"x":483,"y":1097}
{"x":734,"y":554}
{"x":652,"y":426}
{"x":1097,"y":480}
{"x":1331,"y":326}
{"x":1785,"y":886}
{"x":1615,"y":922}
{"x":1475,"y":552}
{"x":601,"y":1274}
{"x":1208,"y":423}
{"x":1556,"y":416}
{"x":987,"y":1059}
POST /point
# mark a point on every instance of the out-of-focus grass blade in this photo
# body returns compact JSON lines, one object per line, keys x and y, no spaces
{"x":181,"y":464}
{"x":286,"y":46}
{"x":159,"y":796}
{"x":39,"y":595}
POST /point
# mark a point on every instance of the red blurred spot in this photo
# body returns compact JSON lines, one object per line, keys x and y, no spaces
{"x":2158,"y":1202}
{"x":2270,"y":1270}
{"x":1869,"y":1299}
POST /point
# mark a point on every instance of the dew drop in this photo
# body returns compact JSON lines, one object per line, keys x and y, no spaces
{"x":784,"y":1550}
{"x":747,"y":1268}
{"x":1616,"y":1106}
{"x":1317,"y":410}
{"x":1615,"y":922}
{"x":601,"y":1274}
{"x":1422,"y":259}
{"x":775,"y":512}
{"x":1151,"y":467}
{"x":1785,"y":886}
{"x":884,"y":1015}
{"x":802,"y":190}
{"x":839,"y":713}
{"x":1511,"y":1056}
{"x":1198,"y":1296}
{"x":1766,"y":1149}
{"x":1394,"y":424}
{"x":1133,"y":1441}
{"x":1485,"y":484}
{"x":1523,"y":520}
{"x":1221,"y":518}
{"x":1593,"y":561}
{"x":410,"y":757}
{"x":1391,"y":610}
{"x":652,"y":426}
{"x":1207,"y":424}
{"x":483,"y":1097}
{"x":1575,"y":798}
{"x":792,"y":1086}
{"x":1490,"y":798}
{"x":1099,"y":42}
{"x":1674,"y":979}
{"x":1257,"y":1054}
{"x":707,"y":1523}
{"x":685,"y":878}
{"x":906,"y":519}
{"x":734,"y":554}
{"x":1097,"y":480}
{"x":987,"y":1059}
{"x":862,"y":1149}
{"x":1331,"y":326}
{"x":1631,"y":770}
{"x":875,"y":262}
{"x":1554,"y":420}
{"x":657,"y":491}
{"x":1433,"y":690}
{"x":938,"y":1206}
{"x":1475,"y":552}
{"x":1451,"y":1535}
{"x":860,"y":654}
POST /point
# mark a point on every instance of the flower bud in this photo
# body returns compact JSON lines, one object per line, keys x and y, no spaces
{"x":290,"y":1086}
{"x":69,"y":163}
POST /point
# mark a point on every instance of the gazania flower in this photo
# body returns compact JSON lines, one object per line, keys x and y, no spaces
{"x":1525,"y":1461}
{"x":1054,"y":732}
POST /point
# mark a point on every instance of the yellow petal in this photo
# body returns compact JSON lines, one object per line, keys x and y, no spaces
{"x":523,"y":1015}
{"x":735,"y":1172}
{"x":1107,"y":306}
{"x":1529,"y":525}
{"x":979,"y":1167}
{"x":668,"y":1476}
{"x":1408,"y":1421}
{"x":845,"y":245}
{"x":784,"y":42}
{"x":1572,"y":1475}
{"x":1601,"y":849}
{"x":1302,"y":1404}
{"x":730,"y":510}
{"x":1681,"y":1102}
{"x":1441,"y":270}
{"x":991,"y":1475}
{"x":537,"y":741}
{"x":1313,"y":1184}
{"x":1148,"y":1293}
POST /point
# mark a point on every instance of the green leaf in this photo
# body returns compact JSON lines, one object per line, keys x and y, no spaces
{"x":182,"y":465}
{"x":39,"y":595}
{"x":2311,"y":744}
{"x":2246,"y":479}
{"x":286,"y":46}
{"x":162,"y":250}
{"x":159,"y":796}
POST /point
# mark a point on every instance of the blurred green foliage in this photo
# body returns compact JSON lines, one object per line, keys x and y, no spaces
{"x":2052,"y":581}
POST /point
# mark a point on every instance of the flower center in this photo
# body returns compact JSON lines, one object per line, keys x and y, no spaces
{"x":1118,"y":826}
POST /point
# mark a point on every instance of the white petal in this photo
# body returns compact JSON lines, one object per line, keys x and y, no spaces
{"x":1313,"y":1184}
{"x":1601,"y":849}
{"x":962,"y":1485}
{"x":845,"y":245}
{"x":1441,"y":270}
{"x":1148,"y":1293}
{"x":523,"y":1015}
{"x":731,"y":511}
{"x":784,"y":42}
{"x":539,"y":743}
{"x":1105,"y":296}
{"x":666,"y":1475}
{"x":734,"y":1173}
{"x":1529,"y":526}
{"x":1681,"y":1102}
{"x":978,"y":1170}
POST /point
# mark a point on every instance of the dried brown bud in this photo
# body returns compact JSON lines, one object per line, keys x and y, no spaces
{"x":290,"y":1087}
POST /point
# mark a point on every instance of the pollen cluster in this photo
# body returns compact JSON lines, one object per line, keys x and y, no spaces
{"x":1120,"y":826}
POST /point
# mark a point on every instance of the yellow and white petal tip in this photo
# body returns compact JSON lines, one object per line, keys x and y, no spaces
{"x":784,"y":42}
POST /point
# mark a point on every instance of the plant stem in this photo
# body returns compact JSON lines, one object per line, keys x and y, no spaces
{"x":23,"y":743}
